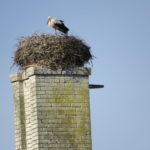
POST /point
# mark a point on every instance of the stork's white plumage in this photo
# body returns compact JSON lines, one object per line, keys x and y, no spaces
{"x":57,"y":25}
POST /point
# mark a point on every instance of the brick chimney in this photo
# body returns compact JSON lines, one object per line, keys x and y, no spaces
{"x":51,"y":109}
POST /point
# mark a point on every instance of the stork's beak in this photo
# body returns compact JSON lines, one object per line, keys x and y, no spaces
{"x":48,"y":20}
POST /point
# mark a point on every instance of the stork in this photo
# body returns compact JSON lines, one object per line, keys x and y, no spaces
{"x":57,"y":25}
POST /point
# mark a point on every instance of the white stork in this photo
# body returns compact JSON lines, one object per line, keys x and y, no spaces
{"x":57,"y":25}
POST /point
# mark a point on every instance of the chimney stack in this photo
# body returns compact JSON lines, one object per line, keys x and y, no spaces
{"x":51,"y":109}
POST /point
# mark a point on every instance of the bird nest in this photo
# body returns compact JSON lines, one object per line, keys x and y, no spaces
{"x":53,"y":51}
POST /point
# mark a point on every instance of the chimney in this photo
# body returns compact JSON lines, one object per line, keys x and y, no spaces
{"x":51,"y":93}
{"x":52,"y":109}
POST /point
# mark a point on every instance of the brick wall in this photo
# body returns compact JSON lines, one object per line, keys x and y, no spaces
{"x":52,"y":109}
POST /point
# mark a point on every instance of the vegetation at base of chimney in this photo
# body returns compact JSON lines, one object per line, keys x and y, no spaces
{"x":53,"y":51}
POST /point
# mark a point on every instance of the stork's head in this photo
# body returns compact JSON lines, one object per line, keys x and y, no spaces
{"x":49,"y":19}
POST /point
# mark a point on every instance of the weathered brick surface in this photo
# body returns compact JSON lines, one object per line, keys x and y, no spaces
{"x":52,"y":109}
{"x":19,"y":114}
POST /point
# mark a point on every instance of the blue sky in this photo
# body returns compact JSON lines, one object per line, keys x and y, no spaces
{"x":118,"y":32}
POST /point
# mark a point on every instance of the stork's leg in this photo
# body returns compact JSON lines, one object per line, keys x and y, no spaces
{"x":55,"y":32}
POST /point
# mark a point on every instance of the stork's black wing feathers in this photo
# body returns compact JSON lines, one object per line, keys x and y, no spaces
{"x":61,"y":21}
{"x":61,"y":27}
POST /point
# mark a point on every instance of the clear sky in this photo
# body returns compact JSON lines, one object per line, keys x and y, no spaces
{"x":118,"y":32}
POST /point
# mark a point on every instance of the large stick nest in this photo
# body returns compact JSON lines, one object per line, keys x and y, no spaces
{"x":53,"y":51}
